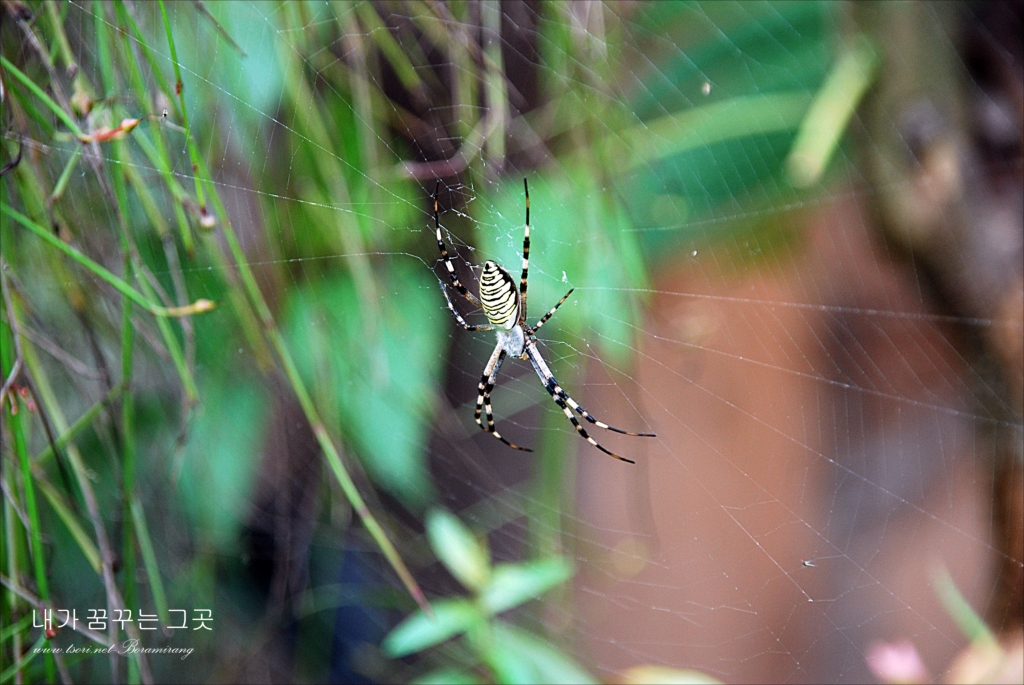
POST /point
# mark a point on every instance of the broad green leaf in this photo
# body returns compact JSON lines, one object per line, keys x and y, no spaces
{"x":446,"y":676}
{"x":457,"y":548}
{"x":550,"y":665}
{"x":451,"y":617}
{"x":716,"y":117}
{"x":697,"y":128}
{"x":513,"y":584}
{"x":222,"y":456}
{"x":737,"y":49}
{"x":373,"y":365}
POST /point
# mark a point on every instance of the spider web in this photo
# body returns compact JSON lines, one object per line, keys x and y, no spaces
{"x":823,"y":448}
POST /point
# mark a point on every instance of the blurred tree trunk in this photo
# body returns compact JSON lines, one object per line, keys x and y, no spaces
{"x":944,"y":154}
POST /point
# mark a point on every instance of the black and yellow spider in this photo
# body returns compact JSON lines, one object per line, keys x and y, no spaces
{"x":505,"y":308}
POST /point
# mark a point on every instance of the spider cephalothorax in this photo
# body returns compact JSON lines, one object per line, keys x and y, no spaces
{"x":505,"y":309}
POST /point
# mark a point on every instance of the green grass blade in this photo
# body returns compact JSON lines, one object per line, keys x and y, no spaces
{"x":17,"y":667}
{"x":174,"y":349}
{"x":958,"y":608}
{"x":57,"y":26}
{"x":348,"y":486}
{"x":196,"y":307}
{"x":156,"y":583}
{"x":70,"y":521}
{"x":46,"y":99}
{"x":830,"y":112}
{"x":17,"y":427}
{"x":83,"y":422}
{"x":738,"y":117}
{"x":10,"y":630}
{"x":179,"y":88}
{"x":65,"y":176}
{"x":389,"y":47}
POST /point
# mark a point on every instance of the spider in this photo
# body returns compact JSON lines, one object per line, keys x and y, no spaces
{"x":505,"y":308}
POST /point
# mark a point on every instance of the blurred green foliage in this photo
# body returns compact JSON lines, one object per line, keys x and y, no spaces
{"x":507,"y":654}
{"x":374,"y":368}
{"x":720,"y":107}
{"x":219,"y":459}
{"x":281,"y":168}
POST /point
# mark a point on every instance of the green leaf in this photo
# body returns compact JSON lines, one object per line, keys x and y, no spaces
{"x":30,"y":654}
{"x":457,"y":548}
{"x":373,"y":366}
{"x":959,"y":609}
{"x":451,"y":617}
{"x":221,"y":459}
{"x":446,"y":676}
{"x":548,"y":664}
{"x":763,"y":48}
{"x":829,"y":114}
{"x":718,"y":116}
{"x":119,"y":284}
{"x":513,"y":584}
{"x":509,"y":666}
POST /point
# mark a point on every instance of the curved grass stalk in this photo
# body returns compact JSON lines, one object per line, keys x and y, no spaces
{"x":291,"y":371}
{"x":179,"y":90}
{"x":115,"y":600}
{"x":64,"y":513}
{"x":198,"y":307}
{"x":41,"y":94}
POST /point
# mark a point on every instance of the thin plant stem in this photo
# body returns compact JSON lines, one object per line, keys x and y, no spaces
{"x":324,"y":439}
{"x":179,"y":90}
{"x":43,"y":97}
{"x":115,"y":601}
{"x":197,"y":307}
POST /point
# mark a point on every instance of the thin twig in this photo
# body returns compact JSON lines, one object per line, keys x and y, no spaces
{"x":44,"y":57}
{"x":220,"y":29}
{"x":62,"y":356}
{"x":62,"y":668}
{"x":115,"y":602}
{"x":17,"y":589}
{"x":17,"y":158}
{"x":16,"y":366}
{"x":460,"y":161}
{"x":62,"y":465}
{"x":14,"y":502}
{"x":12,"y":320}
{"x":181,"y":299}
{"x":179,"y":289}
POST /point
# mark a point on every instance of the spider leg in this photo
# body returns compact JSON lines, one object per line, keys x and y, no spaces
{"x":458,"y":317}
{"x":483,"y":400}
{"x":583,"y":412}
{"x":526,"y":257}
{"x":544,"y":319}
{"x":564,"y":401}
{"x":444,"y":253}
